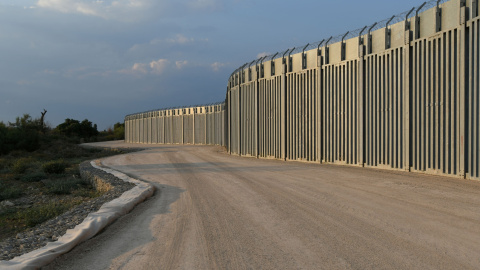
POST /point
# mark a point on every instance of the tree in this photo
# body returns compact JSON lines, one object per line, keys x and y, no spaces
{"x":72,"y":127}
{"x":24,"y":134}
{"x":42,"y":123}
{"x":119,"y":131}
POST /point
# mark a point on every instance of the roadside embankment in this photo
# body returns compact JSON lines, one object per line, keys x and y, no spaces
{"x":41,"y":244}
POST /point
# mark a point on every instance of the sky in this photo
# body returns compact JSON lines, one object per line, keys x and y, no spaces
{"x":103,"y":59}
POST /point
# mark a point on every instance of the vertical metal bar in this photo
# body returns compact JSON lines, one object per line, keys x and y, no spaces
{"x":383,"y":109}
{"x":453,"y":97}
{"x":475,"y":36}
{"x":311,"y":96}
{"x":413,"y":150}
{"x":324,"y":111}
{"x":423,"y":106}
{"x":376,"y":127}
{"x":318,"y":110}
{"x":461,"y":99}
{"x":429,"y":108}
{"x":438,"y":124}
{"x":326,"y":99}
{"x":348,"y":113}
{"x":335,"y":113}
{"x":441,"y":88}
{"x":471,"y":99}
{"x":449,"y":104}
{"x":360,"y":109}
{"x":390,"y":93}
{"x":340,"y":101}
{"x":394,"y":131}
{"x":369,"y":107}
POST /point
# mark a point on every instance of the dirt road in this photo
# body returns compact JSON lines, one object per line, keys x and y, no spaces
{"x":216,"y":211}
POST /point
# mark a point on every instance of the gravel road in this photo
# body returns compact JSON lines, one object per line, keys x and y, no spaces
{"x":216,"y":211}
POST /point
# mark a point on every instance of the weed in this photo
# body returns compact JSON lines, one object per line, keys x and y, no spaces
{"x":54,"y":167}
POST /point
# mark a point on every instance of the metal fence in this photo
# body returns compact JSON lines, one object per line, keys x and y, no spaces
{"x":203,"y":124}
{"x":400,"y":94}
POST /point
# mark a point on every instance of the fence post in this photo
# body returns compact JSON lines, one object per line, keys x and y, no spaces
{"x":318,"y":112}
{"x":406,"y":93}
{"x":360,"y":93}
{"x":461,"y":90}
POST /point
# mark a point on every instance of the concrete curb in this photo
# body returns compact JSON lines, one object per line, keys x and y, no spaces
{"x":90,"y":226}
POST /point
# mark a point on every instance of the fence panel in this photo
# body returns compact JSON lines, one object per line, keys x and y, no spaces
{"x":384,"y":118}
{"x":473,"y":97}
{"x":340,"y":112}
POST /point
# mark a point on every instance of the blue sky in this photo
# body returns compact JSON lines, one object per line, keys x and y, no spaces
{"x":100,"y":60}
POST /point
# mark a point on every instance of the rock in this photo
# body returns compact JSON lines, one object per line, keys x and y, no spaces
{"x":7,"y":203}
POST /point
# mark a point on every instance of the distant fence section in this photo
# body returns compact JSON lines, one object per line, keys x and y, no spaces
{"x":187,"y":125}
{"x":402,"y":94}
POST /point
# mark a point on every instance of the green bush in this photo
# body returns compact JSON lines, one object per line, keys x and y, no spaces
{"x":21,"y":165}
{"x":65,"y":186}
{"x":54,"y":167}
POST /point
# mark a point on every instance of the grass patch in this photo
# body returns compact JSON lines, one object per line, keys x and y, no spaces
{"x":38,"y":214}
{"x":33,"y":177}
{"x":51,"y":172}
{"x":65,"y":186}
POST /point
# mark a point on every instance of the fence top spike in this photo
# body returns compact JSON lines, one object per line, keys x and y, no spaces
{"x":388,"y":22}
{"x":420,"y":7}
{"x":371,"y":27}
{"x":305,"y":47}
{"x":345,"y":35}
{"x":326,"y":44}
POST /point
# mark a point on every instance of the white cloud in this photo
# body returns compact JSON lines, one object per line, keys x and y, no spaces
{"x":131,"y":10}
{"x":126,"y":10}
{"x":157,"y":67}
{"x":73,"y":6}
{"x":216,"y":66}
{"x":140,"y":67}
{"x":263,"y":54}
{"x":181,"y":64}
{"x":154,"y":67}
{"x":180,"y":39}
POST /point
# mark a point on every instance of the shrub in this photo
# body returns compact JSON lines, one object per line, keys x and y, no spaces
{"x":21,"y":165}
{"x":54,"y":167}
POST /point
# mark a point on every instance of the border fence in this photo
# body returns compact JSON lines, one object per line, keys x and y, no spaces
{"x":401,"y":94}
{"x":203,"y":124}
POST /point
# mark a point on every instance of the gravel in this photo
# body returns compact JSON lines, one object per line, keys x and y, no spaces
{"x":53,"y":229}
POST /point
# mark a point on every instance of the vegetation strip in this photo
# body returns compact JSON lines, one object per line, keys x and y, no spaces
{"x":52,"y":229}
